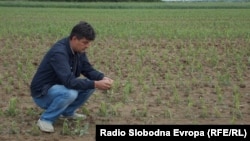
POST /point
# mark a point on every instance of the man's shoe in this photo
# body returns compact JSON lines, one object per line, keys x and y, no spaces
{"x":75,"y":116}
{"x":45,"y":126}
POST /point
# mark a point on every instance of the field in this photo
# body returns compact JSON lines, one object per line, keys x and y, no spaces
{"x":170,"y":66}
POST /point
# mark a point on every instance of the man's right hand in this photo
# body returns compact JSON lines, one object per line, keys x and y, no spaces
{"x":103,"y":84}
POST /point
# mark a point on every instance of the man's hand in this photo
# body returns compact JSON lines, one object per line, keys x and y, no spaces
{"x":109,"y":79}
{"x":104,"y":84}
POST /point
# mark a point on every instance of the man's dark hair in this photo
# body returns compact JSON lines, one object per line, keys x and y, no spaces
{"x":83,"y":30}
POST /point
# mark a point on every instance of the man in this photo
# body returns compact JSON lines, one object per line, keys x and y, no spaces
{"x":57,"y":86}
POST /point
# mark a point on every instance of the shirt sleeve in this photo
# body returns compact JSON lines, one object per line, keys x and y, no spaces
{"x":60,"y":64}
{"x":88,"y":70}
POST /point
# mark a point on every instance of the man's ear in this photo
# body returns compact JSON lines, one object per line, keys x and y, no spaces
{"x":74,"y":38}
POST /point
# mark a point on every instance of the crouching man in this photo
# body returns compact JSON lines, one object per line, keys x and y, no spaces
{"x":57,"y":86}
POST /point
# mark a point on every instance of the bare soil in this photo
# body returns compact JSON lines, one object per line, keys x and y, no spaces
{"x":162,"y":101}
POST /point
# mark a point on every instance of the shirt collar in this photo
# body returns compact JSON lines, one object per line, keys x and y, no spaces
{"x":70,"y":47}
{"x":72,"y":50}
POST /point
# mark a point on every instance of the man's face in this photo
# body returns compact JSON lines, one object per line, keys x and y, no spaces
{"x":79,"y":45}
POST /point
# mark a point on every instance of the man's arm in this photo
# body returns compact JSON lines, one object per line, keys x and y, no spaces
{"x":59,"y":62}
{"x":101,"y":82}
{"x":87,"y":69}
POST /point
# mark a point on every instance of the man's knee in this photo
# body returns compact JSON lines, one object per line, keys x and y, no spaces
{"x":91,"y":91}
{"x":71,"y":95}
{"x":84,"y":93}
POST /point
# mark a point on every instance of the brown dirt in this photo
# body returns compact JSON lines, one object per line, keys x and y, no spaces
{"x":185,"y":100}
